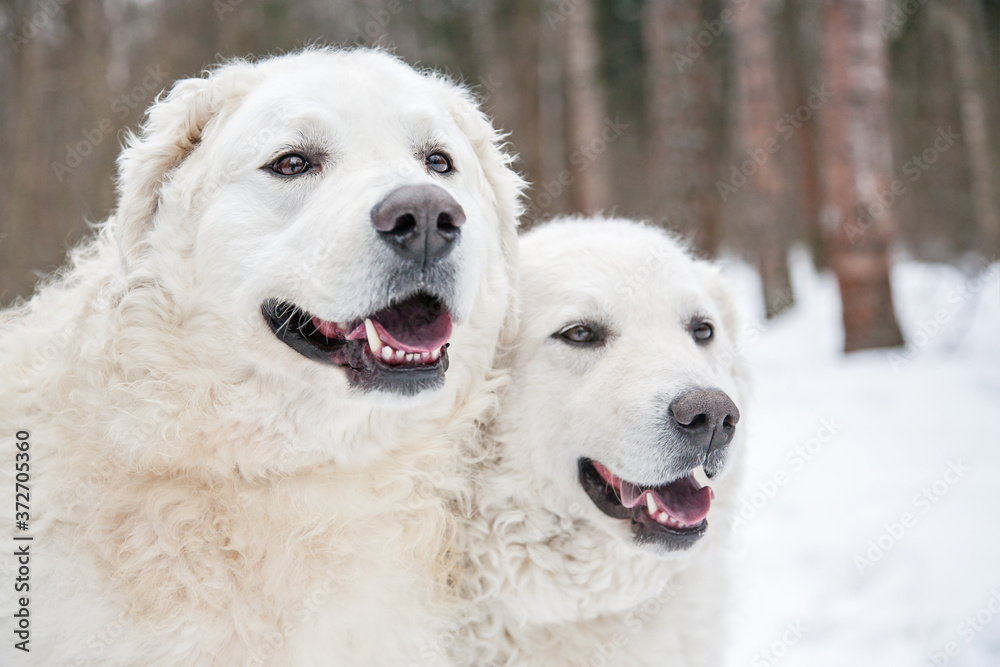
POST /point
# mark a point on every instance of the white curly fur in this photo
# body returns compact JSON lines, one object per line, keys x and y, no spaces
{"x":551,"y":580}
{"x":202,"y":494}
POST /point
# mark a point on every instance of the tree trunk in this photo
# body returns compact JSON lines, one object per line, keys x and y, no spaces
{"x":23,"y":243}
{"x":506,"y":40}
{"x":806,"y":139}
{"x":552,"y":148}
{"x":585,"y":112}
{"x":858,"y":171}
{"x":765,"y":193}
{"x":86,"y":57}
{"x":679,"y":112}
{"x":969,"y":82}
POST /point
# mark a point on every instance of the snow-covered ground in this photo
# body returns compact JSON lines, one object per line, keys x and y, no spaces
{"x":872,"y":530}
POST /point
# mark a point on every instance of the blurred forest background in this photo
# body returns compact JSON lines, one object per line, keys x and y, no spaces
{"x":858,"y":128}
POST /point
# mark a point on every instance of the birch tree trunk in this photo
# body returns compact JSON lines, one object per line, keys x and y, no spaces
{"x":679,"y":114}
{"x":765,"y":192}
{"x":506,"y":38}
{"x":806,"y":137}
{"x":857,"y":155}
{"x":585,"y":112}
{"x":969,"y":82}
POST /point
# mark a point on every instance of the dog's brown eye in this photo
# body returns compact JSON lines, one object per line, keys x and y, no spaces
{"x":439,"y":162}
{"x":580,"y":334}
{"x":292,"y":164}
{"x":702,"y":332}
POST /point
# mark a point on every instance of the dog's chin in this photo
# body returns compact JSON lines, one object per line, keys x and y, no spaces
{"x":400,"y":351}
{"x":663,"y":518}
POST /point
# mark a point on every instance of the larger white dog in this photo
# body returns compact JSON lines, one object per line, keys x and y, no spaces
{"x":595,"y":542}
{"x":241,"y":402}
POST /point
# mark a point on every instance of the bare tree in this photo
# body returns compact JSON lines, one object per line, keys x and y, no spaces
{"x":802,"y":79}
{"x":585,"y":111}
{"x":21,"y":243}
{"x":969,"y":82}
{"x":63,"y":143}
{"x":857,"y":156}
{"x":765,"y":192}
{"x":680,"y":116}
{"x":507,"y":40}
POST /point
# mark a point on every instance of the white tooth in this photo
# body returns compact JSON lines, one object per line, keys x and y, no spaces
{"x":374,"y":342}
{"x":409,"y":358}
{"x":436,"y":354}
{"x":663,"y":517}
{"x":400,"y":355}
{"x":387,"y":353}
{"x":651,"y":504}
{"x":424,"y":356}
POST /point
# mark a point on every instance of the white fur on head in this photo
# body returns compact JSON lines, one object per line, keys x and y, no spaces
{"x":210,"y":236}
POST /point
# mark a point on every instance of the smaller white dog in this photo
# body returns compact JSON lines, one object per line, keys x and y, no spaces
{"x":594,"y":541}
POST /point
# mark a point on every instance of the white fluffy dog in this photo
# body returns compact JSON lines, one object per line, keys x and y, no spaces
{"x":591,"y":545}
{"x":244,"y":398}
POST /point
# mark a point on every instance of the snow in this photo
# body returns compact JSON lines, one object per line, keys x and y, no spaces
{"x":872,"y":494}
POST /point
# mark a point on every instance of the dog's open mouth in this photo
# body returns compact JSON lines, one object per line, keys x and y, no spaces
{"x":401,"y":348}
{"x":671,"y":515}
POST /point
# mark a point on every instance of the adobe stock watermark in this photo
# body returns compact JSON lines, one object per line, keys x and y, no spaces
{"x":251,"y":150}
{"x":784,"y":130}
{"x":929,"y":328}
{"x":795,"y":462}
{"x":581,"y":158}
{"x":274,"y":641}
{"x":892,"y":25}
{"x":94,"y":646}
{"x":923,"y":502}
{"x":912,"y":169}
{"x":656,"y":258}
{"x":748,"y":334}
{"x":703,"y":39}
{"x":92,"y":138}
{"x":553,"y":17}
{"x":772,"y":655}
{"x":374,"y":27}
{"x":967,"y":630}
{"x":635,"y":620}
{"x":436,"y":651}
{"x":223,"y":7}
{"x":30,"y":27}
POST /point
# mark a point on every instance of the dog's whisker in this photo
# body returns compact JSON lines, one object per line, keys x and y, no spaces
{"x":284,"y":324}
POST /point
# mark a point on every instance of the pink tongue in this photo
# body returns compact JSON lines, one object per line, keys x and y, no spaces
{"x":410,"y":327}
{"x":684,"y":499}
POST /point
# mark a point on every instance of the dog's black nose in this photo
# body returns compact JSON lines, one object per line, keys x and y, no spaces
{"x":706,"y":419}
{"x":422,"y":223}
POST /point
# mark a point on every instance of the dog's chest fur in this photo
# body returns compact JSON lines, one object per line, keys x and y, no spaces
{"x":267,"y":572}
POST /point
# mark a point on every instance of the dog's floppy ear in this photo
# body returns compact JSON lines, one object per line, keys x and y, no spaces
{"x":506,"y":184}
{"x":171,"y":130}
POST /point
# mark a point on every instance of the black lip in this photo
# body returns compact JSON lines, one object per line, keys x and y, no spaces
{"x":645,"y":530}
{"x":294,"y":327}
